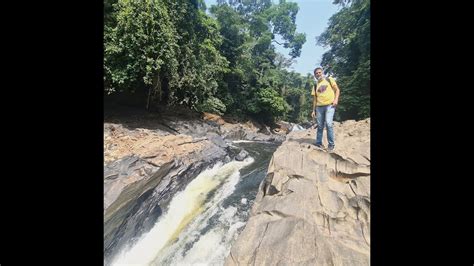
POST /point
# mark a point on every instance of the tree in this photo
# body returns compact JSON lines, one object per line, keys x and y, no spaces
{"x":254,"y":83}
{"x":348,"y":36}
{"x":170,"y":52}
{"x":165,"y":48}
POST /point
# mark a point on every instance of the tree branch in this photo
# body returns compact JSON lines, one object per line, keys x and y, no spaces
{"x":277,"y":42}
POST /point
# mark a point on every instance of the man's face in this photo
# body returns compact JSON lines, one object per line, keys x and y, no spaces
{"x":318,"y":73}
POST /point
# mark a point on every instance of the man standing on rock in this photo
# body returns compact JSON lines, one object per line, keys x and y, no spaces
{"x":325,"y":98}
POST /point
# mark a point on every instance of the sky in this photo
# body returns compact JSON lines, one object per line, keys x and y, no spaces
{"x":312,"y":19}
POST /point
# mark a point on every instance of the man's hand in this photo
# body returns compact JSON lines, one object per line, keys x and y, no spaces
{"x":334,"y":103}
{"x":313,"y":114}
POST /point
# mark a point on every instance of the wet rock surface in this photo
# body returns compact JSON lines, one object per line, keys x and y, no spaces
{"x":149,"y":157}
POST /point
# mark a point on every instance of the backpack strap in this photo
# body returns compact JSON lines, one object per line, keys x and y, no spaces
{"x":329,"y":81}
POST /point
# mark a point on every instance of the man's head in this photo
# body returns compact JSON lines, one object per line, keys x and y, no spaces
{"x":318,"y":73}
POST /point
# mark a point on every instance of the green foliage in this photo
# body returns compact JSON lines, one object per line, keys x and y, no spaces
{"x":348,"y":36}
{"x":270,"y":102}
{"x":212,"y":105}
{"x":170,"y":52}
{"x":166,"y":48}
{"x":256,"y":77}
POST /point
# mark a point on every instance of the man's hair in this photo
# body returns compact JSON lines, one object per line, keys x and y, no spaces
{"x":318,"y":68}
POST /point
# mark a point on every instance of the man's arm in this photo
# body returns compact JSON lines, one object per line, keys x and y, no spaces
{"x":336,"y":90}
{"x":336,"y":99}
{"x":313,"y":114}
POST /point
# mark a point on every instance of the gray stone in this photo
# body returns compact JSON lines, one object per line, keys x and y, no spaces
{"x":313,"y":208}
{"x":242,"y":155}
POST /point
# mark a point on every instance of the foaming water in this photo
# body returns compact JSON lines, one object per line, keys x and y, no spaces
{"x":182,"y":235}
{"x":250,"y":141}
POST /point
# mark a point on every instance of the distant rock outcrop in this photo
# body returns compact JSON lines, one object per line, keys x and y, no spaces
{"x":313,"y":208}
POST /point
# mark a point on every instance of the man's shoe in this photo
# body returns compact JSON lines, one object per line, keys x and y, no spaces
{"x":320,"y":146}
{"x":331,"y":148}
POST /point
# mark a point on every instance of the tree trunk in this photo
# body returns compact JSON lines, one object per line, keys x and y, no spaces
{"x":164,"y":92}
{"x":152,"y":90}
{"x":148,"y":99}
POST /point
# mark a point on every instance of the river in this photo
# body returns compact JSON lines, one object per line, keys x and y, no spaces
{"x":205,"y":218}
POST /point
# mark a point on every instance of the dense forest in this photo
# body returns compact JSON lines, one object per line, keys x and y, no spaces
{"x":222,"y":59}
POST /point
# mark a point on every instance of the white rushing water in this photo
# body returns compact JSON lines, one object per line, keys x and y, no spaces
{"x":179,"y":237}
{"x":249,"y":141}
{"x":297,"y":127}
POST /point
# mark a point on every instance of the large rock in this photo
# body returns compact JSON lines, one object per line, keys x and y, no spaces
{"x":151,"y":145}
{"x":250,"y":131}
{"x":313,"y":208}
{"x":242,"y":155}
{"x":119,"y":174}
{"x":151,"y":168}
{"x":149,"y":157}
